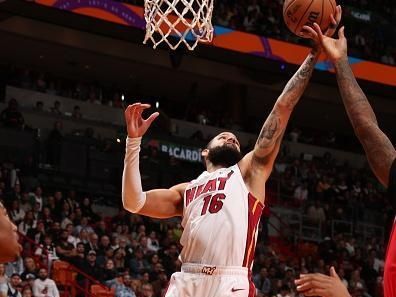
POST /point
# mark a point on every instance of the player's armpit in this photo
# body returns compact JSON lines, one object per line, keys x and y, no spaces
{"x":164,"y":203}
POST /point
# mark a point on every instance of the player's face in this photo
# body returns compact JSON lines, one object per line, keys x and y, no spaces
{"x":225,"y":139}
{"x":9,"y":247}
{"x":223,"y":150}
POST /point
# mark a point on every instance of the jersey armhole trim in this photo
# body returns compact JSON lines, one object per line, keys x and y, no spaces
{"x":261,"y":204}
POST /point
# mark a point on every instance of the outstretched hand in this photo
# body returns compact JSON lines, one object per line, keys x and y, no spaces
{"x":317,"y":284}
{"x":335,"y":20}
{"x":136,"y":125}
{"x":335,"y":49}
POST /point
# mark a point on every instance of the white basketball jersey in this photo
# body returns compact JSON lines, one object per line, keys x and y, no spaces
{"x":220,"y":220}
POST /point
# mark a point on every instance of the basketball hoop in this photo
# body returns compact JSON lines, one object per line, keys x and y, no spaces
{"x":177,"y":22}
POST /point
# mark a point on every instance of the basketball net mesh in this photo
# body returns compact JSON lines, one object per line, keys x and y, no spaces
{"x":178,"y":22}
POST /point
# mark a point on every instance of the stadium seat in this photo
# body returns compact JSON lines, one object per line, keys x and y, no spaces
{"x":100,"y":291}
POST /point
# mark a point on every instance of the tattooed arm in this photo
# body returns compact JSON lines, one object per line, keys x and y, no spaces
{"x":269,"y":139}
{"x":379,"y":150}
{"x":257,"y":165}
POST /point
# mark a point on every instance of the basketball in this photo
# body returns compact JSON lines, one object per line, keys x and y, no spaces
{"x":299,"y":13}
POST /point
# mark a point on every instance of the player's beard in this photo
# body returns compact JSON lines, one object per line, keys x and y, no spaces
{"x":225,"y":155}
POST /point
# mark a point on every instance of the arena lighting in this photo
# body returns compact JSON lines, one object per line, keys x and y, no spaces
{"x":157,"y":104}
{"x":122,"y":97}
{"x":118,"y":140}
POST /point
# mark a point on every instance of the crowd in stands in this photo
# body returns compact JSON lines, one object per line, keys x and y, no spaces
{"x":33,"y":80}
{"x":370,"y":26}
{"x":136,"y":255}
{"x":92,"y":92}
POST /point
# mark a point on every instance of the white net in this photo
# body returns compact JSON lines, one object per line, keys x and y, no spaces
{"x":177,"y":22}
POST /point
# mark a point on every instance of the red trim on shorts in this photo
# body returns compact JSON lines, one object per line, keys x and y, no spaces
{"x":252,"y":287}
{"x":255,"y":209}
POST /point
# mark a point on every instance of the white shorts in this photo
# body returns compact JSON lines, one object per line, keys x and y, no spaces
{"x":197,"y":280}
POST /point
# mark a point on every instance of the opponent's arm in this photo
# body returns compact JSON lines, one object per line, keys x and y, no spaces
{"x":379,"y":150}
{"x":160,"y":203}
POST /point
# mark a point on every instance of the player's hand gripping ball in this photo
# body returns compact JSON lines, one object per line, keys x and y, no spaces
{"x":299,"y":13}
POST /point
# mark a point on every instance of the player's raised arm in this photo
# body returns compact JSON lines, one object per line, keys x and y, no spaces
{"x":268,"y":142}
{"x":160,"y":203}
{"x":379,"y":150}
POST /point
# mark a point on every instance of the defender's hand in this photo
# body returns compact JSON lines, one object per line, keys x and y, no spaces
{"x":335,"y":21}
{"x":136,"y":125}
{"x":336,"y":49}
{"x":317,"y":284}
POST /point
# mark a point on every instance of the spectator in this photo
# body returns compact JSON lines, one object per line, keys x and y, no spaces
{"x":87,"y":211}
{"x":125,"y":290}
{"x":27,"y":224}
{"x":15,"y":267}
{"x":14,"y":286}
{"x":54,"y":143}
{"x":39,"y":106}
{"x":79,"y":259}
{"x":47,"y":247}
{"x":152,"y":242}
{"x":37,"y":234}
{"x":84,"y":226}
{"x":160,"y":285}
{"x":16,"y":213}
{"x":30,"y":268}
{"x":71,"y":238}
{"x":11,"y":117}
{"x":301,"y":193}
{"x":44,"y":286}
{"x":122,"y":285}
{"x":147,"y":290}
{"x":64,"y":249}
{"x":56,"y":109}
{"x":138,"y":264}
{"x":27,"y":292}
{"x":92,"y":244}
{"x":262,"y":282}
{"x":77,"y":112}
{"x":109,"y":272}
{"x":316,"y":213}
{"x":90,"y":267}
{"x":119,"y":259}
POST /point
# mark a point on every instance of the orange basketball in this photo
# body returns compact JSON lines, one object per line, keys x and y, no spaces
{"x":298,"y":13}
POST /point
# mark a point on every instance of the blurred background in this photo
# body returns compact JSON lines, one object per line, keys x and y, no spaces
{"x":69,"y":68}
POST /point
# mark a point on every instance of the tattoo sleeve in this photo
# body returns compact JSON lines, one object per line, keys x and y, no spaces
{"x":276,"y":122}
{"x":379,"y":150}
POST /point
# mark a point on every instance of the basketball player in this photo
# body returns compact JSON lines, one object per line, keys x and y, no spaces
{"x":9,"y":246}
{"x":221,"y":208}
{"x":379,"y":150}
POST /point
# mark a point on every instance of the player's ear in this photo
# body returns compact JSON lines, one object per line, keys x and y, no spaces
{"x":204,"y":153}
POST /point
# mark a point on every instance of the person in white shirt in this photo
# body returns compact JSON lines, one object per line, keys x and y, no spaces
{"x":43,"y":286}
{"x":37,"y":197}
